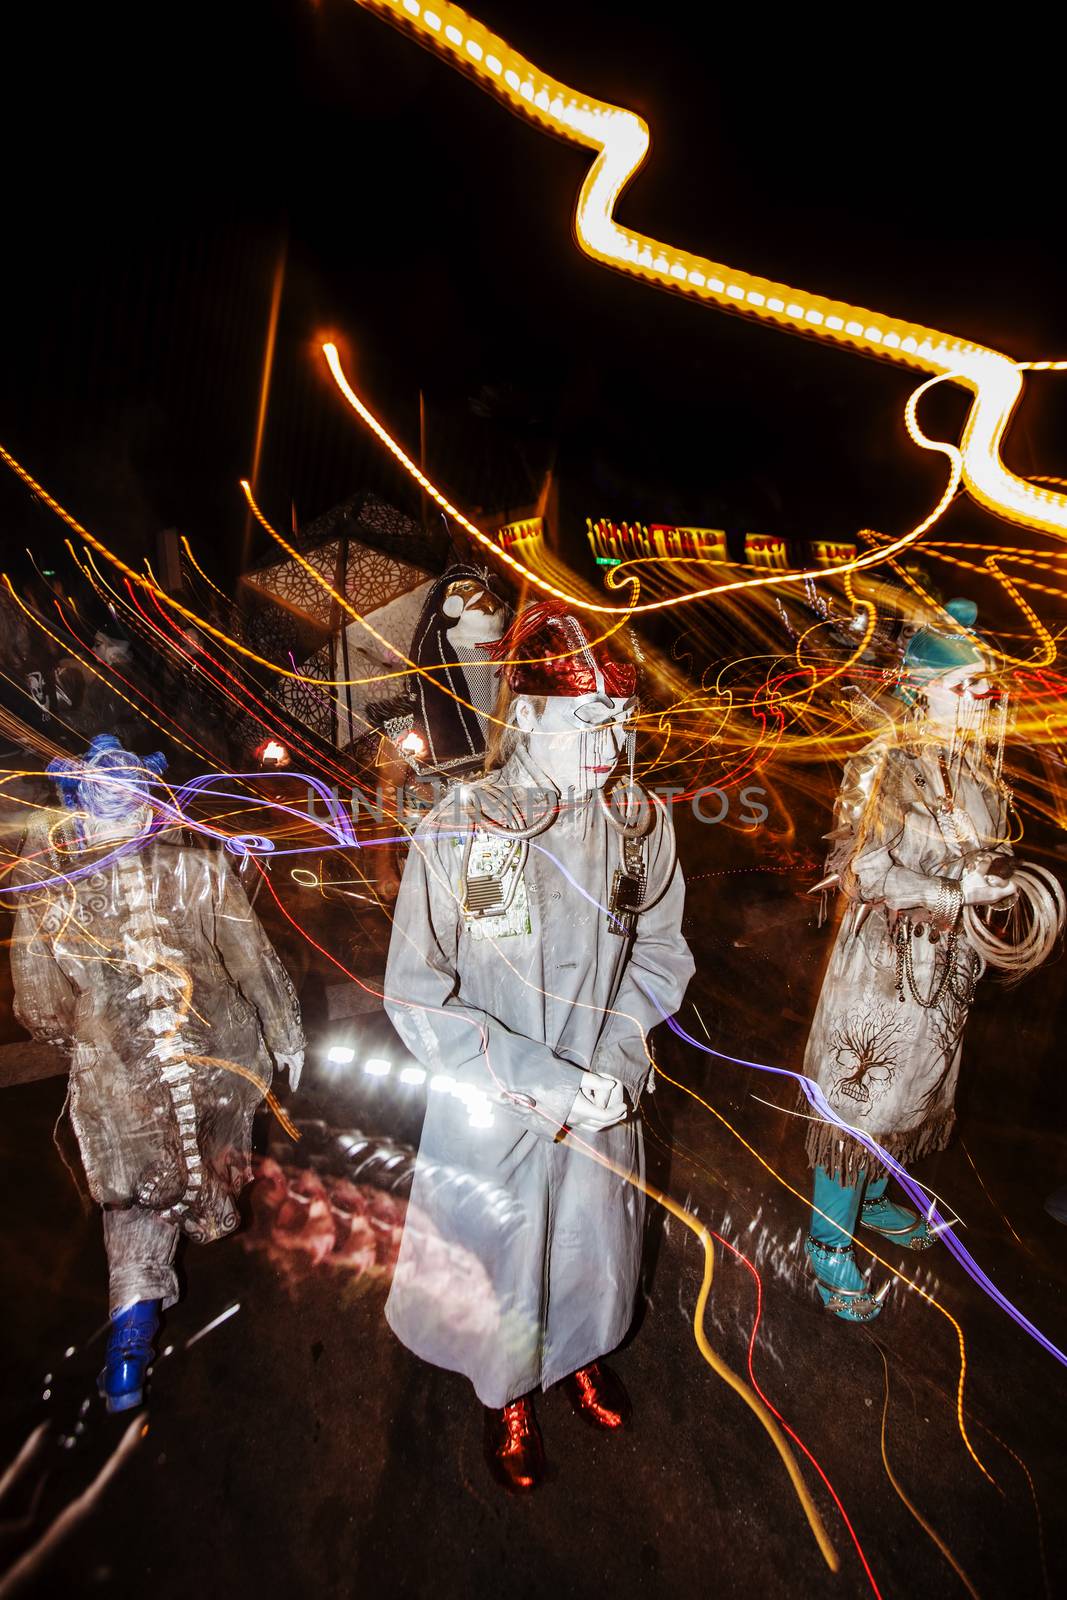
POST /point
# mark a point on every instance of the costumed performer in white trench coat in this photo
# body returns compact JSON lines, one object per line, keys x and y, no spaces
{"x":537,"y":939}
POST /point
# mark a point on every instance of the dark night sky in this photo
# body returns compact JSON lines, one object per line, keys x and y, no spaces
{"x":156,"y":160}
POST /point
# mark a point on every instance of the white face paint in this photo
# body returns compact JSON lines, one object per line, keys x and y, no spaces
{"x":101,"y":831}
{"x":577,"y":739}
{"x":948,"y":694}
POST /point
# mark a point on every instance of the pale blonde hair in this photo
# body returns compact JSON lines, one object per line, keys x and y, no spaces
{"x":505,"y":737}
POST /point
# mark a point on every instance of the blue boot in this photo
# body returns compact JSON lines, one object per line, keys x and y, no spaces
{"x":837,"y":1277}
{"x":898,"y":1223}
{"x":129,"y":1351}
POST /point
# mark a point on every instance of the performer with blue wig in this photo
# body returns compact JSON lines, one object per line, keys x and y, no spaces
{"x":921,"y":853}
{"x":141,"y":958}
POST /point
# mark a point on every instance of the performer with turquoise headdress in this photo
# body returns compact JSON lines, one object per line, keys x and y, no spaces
{"x":921,"y":853}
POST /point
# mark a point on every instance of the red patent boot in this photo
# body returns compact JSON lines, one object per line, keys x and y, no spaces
{"x":599,"y":1397}
{"x":514,"y":1451}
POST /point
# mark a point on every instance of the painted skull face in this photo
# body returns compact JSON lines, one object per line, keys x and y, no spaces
{"x":579,"y":738}
{"x":866,"y":1046}
{"x":953,"y":692}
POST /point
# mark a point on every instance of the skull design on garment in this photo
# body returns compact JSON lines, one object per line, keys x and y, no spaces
{"x":864,"y":1047}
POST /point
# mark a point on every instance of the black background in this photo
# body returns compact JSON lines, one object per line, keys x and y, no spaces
{"x":157,"y":160}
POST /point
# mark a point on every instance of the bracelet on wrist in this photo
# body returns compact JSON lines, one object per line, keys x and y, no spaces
{"x":949,"y":904}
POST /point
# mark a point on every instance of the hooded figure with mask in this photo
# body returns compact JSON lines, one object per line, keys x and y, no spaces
{"x":920,"y":842}
{"x":141,"y":958}
{"x":462,"y":620}
{"x":436,"y":730}
{"x":537,"y":940}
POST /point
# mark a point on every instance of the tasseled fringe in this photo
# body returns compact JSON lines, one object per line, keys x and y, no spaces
{"x":845,"y":1158}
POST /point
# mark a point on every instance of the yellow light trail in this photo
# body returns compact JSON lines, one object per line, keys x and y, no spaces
{"x":720,"y":1367}
{"x":864,"y":1246}
{"x":313,"y":573}
{"x":1047,"y":652}
{"x":620,"y":140}
{"x":197,"y":568}
{"x":264,"y":388}
{"x":108,"y":684}
{"x":620,"y":574}
{"x":914,"y":1510}
{"x":716,"y":1362}
{"x":149,"y":587}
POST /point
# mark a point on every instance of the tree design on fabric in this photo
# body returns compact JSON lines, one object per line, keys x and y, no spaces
{"x":864,"y":1046}
{"x":950,"y":1021}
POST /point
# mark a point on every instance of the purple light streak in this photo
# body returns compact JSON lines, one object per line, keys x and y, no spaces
{"x":914,"y":1190}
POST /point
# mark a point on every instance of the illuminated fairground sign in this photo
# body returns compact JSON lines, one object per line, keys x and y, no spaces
{"x":612,"y":542}
{"x":832,"y":552}
{"x":615,"y":542}
{"x":517,"y":533}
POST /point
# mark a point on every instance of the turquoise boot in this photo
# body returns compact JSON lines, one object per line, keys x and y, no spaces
{"x":829,"y":1248}
{"x":898,"y":1223}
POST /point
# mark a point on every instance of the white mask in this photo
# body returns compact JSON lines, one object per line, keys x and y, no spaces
{"x":479,"y":615}
{"x":951,"y":693}
{"x":577,"y":739}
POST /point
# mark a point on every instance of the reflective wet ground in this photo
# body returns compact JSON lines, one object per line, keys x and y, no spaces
{"x":295,"y":1448}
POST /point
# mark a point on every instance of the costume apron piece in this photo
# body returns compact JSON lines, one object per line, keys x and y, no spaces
{"x":887,"y":1066}
{"x":505,"y":1012}
{"x":155,"y":975}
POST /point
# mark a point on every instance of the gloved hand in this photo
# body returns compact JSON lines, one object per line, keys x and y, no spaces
{"x":982,"y":889}
{"x":294,"y":1065}
{"x":600,"y":1103}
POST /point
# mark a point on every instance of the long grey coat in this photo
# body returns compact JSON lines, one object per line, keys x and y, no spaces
{"x":506,"y":1014}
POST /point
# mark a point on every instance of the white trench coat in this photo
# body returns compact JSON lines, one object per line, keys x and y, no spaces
{"x":506,"y":1013}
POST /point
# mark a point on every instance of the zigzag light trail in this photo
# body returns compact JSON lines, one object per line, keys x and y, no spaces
{"x":620,"y":140}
